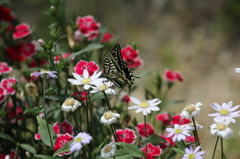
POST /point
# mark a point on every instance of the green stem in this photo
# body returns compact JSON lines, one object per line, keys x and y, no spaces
{"x":75,"y":120}
{"x":222,"y":147}
{"x":215,"y":148}
{"x":145,"y":128}
{"x":15,"y":155}
{"x":107,"y":101}
{"x":114,"y":133}
{"x":195,"y":133}
{"x":45,"y":114}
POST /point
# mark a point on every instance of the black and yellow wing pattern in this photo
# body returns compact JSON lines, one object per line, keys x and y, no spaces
{"x":116,"y":70}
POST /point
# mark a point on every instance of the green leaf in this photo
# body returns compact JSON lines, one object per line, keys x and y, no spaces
{"x":179,"y":151}
{"x":180,"y":144}
{"x":224,"y":157}
{"x":28,"y":148}
{"x":35,"y":110}
{"x":122,"y":154}
{"x":133,"y":150}
{"x":46,"y":157}
{"x":7,"y":137}
{"x":65,"y":148}
{"x":90,"y":47}
{"x":98,"y":95}
{"x":144,"y":73}
{"x":155,"y":139}
{"x":43,"y":131}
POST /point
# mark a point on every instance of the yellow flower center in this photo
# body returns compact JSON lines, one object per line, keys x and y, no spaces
{"x":79,"y":139}
{"x":223,"y":112}
{"x":107,"y":148}
{"x":221,"y":127}
{"x":44,"y":70}
{"x":103,"y":87}
{"x":191,"y":156}
{"x":69,"y":101}
{"x":190,"y":108}
{"x":144,"y":104}
{"x":86,"y":81}
{"x":177,"y":131}
{"x":108,"y":115}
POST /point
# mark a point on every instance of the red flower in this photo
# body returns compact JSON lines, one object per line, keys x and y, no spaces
{"x":62,"y":140}
{"x":126,"y":135}
{"x":37,"y":137}
{"x":124,"y":97}
{"x":106,"y":37}
{"x":81,"y":96}
{"x":21,"y":30}
{"x":5,"y":14}
{"x":190,"y":139}
{"x":169,"y":142}
{"x":7,"y":85}
{"x":21,"y":52}
{"x":2,"y":94}
{"x":152,"y":150}
{"x":91,"y":67}
{"x":177,"y":119}
{"x":164,"y":118}
{"x":57,"y":58}
{"x":4,"y":68}
{"x":9,"y":156}
{"x":88,"y":27}
{"x":14,"y":114}
{"x":141,"y":129}
{"x":63,"y":128}
{"x":129,"y":54}
{"x":137,"y":62}
{"x":172,"y":76}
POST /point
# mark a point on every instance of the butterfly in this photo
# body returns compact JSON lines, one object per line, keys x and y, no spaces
{"x":116,"y":70}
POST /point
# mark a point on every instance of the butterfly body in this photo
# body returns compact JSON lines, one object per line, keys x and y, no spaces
{"x":115,"y":69}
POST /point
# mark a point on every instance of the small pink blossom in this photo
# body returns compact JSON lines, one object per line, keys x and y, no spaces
{"x":4,"y":68}
{"x":37,"y":137}
{"x":63,"y":128}
{"x":91,"y":67}
{"x":8,"y":85}
{"x":126,"y":135}
{"x":172,"y":76}
{"x":107,"y":37}
{"x":141,"y":129}
{"x":21,"y":30}
{"x":62,"y":140}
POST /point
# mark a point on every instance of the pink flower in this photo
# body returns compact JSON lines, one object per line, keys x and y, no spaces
{"x":126,"y":135}
{"x":88,"y":27}
{"x":177,"y":119}
{"x":141,"y":129}
{"x":37,"y":137}
{"x":129,"y":54}
{"x":5,"y":14}
{"x":62,"y":140}
{"x":81,"y":96}
{"x":7,"y":85}
{"x":58,"y":58}
{"x":91,"y":67}
{"x":106,"y":37}
{"x":14,"y":113}
{"x":9,"y":156}
{"x":172,"y":76}
{"x":21,"y":30}
{"x":4,"y":68}
{"x":63,"y":128}
{"x":164,"y":118}
{"x":21,"y":52}
{"x":152,"y":150}
{"x":124,"y":97}
{"x":136,"y":63}
{"x":2,"y":94}
{"x":190,"y":139}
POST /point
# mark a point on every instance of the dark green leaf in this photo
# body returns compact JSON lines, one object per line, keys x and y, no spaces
{"x":179,"y":151}
{"x":65,"y":148}
{"x":155,"y":139}
{"x":90,"y":47}
{"x":43,"y":131}
{"x":46,"y":157}
{"x":28,"y":148}
{"x":7,"y":137}
{"x":122,"y":154}
{"x":35,"y":110}
{"x":131,"y":149}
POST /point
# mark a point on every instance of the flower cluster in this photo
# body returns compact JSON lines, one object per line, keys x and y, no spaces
{"x":131,"y":57}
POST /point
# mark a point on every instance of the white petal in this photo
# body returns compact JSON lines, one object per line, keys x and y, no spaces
{"x":135,"y":100}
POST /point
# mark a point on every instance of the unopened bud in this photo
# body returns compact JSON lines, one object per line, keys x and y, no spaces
{"x":41,"y":42}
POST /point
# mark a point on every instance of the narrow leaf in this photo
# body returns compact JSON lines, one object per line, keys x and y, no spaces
{"x":65,"y":148}
{"x":131,"y":149}
{"x":46,"y":157}
{"x":28,"y":148}
{"x":179,"y":151}
{"x":35,"y":110}
{"x":155,"y":139}
{"x":7,"y":137}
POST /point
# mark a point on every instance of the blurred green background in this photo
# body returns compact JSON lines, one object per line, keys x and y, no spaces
{"x":199,"y":38}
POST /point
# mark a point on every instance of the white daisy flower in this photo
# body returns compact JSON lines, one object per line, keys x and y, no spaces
{"x":108,"y":150}
{"x":179,"y":132}
{"x":85,"y":80}
{"x":225,"y":111}
{"x":109,"y":117}
{"x":103,"y":86}
{"x":237,"y":70}
{"x":70,"y":104}
{"x":193,"y":154}
{"x":191,"y":110}
{"x":220,"y":128}
{"x":190,"y":126}
{"x":146,"y":106}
